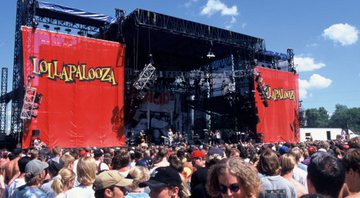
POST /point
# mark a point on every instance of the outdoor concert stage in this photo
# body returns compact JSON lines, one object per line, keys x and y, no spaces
{"x":145,"y":71}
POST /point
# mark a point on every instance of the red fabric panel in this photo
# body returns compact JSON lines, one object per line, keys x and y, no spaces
{"x":279,"y":121}
{"x":82,"y":85}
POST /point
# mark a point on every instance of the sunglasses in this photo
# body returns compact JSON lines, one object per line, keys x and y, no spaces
{"x":233,"y":188}
{"x":124,"y":190}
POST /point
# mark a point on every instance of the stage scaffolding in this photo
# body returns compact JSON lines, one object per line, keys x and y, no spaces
{"x":167,"y":39}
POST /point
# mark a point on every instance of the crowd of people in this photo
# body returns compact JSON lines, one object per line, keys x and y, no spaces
{"x":306,"y":169}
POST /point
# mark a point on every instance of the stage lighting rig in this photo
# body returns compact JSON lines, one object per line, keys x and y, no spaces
{"x":80,"y":33}
{"x":46,"y":27}
{"x":210,"y":54}
{"x":145,"y":78}
{"x":67,"y":30}
{"x":57,"y":29}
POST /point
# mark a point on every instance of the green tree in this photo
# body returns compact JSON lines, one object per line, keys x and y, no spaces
{"x":340,"y":117}
{"x":344,"y":117}
{"x":317,"y":117}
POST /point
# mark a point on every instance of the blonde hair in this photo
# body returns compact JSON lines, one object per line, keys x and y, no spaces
{"x":68,"y":159}
{"x":287,"y":163}
{"x":139,"y":174}
{"x":246,"y":174}
{"x":62,"y":180}
{"x":86,"y":171}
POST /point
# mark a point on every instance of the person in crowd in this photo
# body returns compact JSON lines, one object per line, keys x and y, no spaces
{"x":12,"y":167}
{"x":354,"y":142}
{"x":326,"y":174}
{"x":121,"y":162}
{"x":287,"y":164}
{"x":233,"y":177}
{"x":68,"y":160}
{"x":198,"y":159}
{"x":107,"y":160}
{"x":3,"y":186}
{"x":34,"y":176}
{"x":4,"y":159}
{"x":300,"y":169}
{"x":351,"y":162}
{"x":63,"y":182}
{"x":217,"y":137}
{"x":170,"y":135}
{"x":271,"y":182}
{"x":165,"y":182}
{"x":110,"y":184}
{"x":53,"y":170}
{"x":160,"y":159}
{"x":34,"y":154}
{"x":234,"y":152}
{"x":139,"y":174}
{"x":20,"y":179}
{"x":57,"y":153}
{"x":176,"y":163}
{"x":299,"y":157}
{"x":99,"y":158}
{"x":86,"y":173}
{"x":199,"y":177}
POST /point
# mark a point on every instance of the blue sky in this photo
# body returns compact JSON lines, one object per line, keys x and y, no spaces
{"x":323,"y":34}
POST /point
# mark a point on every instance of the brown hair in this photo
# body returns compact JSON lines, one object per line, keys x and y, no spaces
{"x":352,"y":160}
{"x":268,"y":163}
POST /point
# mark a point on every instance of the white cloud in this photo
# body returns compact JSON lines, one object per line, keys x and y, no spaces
{"x":307,"y":64}
{"x":316,"y":81}
{"x":342,"y":33}
{"x":214,"y":6}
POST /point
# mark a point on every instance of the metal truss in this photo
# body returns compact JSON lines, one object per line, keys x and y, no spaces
{"x":68,"y":24}
{"x":4,"y":78}
{"x":192,"y":29}
{"x":24,"y":16}
{"x":145,"y":77}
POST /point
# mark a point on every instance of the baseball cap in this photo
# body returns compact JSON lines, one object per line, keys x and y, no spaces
{"x":83,"y":153}
{"x":214,"y":153}
{"x":35,"y":167}
{"x":283,"y":149}
{"x":110,"y":178}
{"x":197,"y":154}
{"x":162,"y":177}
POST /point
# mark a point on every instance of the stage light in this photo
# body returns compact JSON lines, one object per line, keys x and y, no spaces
{"x":210,"y":54}
{"x":46,"y":27}
{"x":68,"y":30}
{"x":57,"y":29}
{"x":80,"y":33}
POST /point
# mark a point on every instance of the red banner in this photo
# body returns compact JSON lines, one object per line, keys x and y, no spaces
{"x":277,"y":100}
{"x":81,"y":81}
